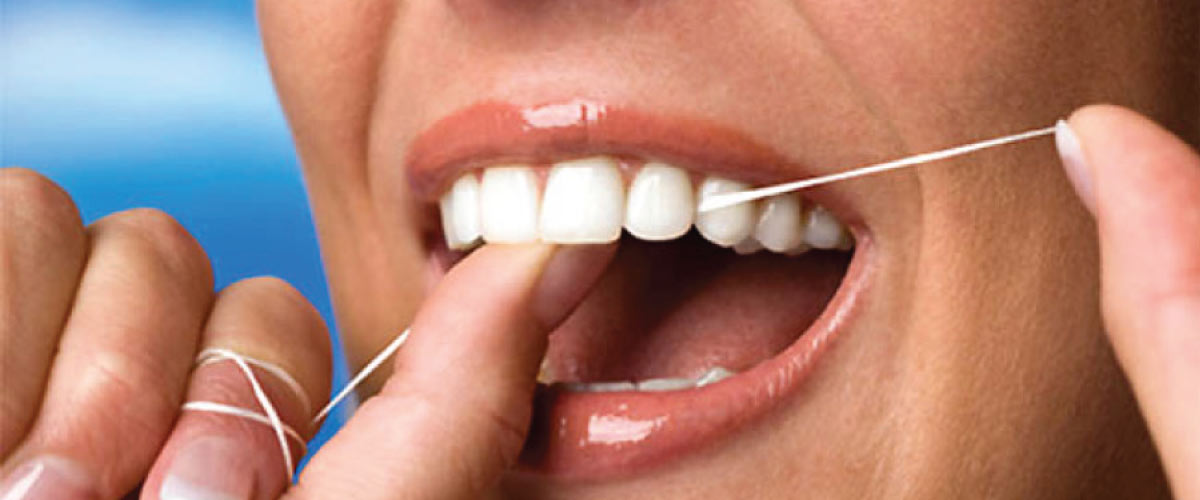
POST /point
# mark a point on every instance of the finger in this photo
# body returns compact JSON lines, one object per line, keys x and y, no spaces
{"x":1145,"y":186}
{"x":117,"y":381}
{"x":42,"y":251}
{"x":214,"y":455}
{"x":455,"y":413}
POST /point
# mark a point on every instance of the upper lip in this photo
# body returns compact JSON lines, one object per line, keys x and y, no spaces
{"x":491,"y":132}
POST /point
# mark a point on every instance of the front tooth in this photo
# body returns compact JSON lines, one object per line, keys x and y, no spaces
{"x":726,"y":226}
{"x":713,"y":375}
{"x":584,"y":202}
{"x":824,"y":231}
{"x":508,"y":203}
{"x":460,"y":213}
{"x":781,"y":225}
{"x":661,"y":203}
{"x":665,"y":384}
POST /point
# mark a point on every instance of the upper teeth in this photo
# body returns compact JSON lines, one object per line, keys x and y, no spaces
{"x":711,"y":376}
{"x":585,"y":201}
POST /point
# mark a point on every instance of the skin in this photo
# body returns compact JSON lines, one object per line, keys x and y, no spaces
{"x":1000,"y":381}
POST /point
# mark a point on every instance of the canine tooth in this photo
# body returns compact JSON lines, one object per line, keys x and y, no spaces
{"x":508,"y":203}
{"x":713,"y":375}
{"x":781,"y":223}
{"x":823,"y":230}
{"x":747,"y":246}
{"x":460,"y":213}
{"x":665,"y":384}
{"x":584,"y":202}
{"x":730,"y":225}
{"x":661,"y":203}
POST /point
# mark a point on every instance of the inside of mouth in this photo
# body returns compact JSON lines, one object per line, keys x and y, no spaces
{"x":679,"y":309}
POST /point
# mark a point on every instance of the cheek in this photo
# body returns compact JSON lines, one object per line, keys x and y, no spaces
{"x":976,"y":65}
{"x":324,"y":56}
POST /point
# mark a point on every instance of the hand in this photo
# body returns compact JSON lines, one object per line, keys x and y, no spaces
{"x":1143,"y":186}
{"x":100,"y":327}
{"x":455,"y":413}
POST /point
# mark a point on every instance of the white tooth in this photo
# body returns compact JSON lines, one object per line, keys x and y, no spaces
{"x":781,"y":224}
{"x":460,"y":213}
{"x":747,"y":246}
{"x":601,"y":386}
{"x":713,"y":375}
{"x":730,"y":225}
{"x":661,"y":203}
{"x":508,"y":203}
{"x":665,"y":384}
{"x":823,"y":230}
{"x":584,"y":202}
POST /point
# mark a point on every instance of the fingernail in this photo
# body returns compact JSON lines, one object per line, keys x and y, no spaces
{"x":1075,"y":163}
{"x":47,"y":478}
{"x":209,"y":468}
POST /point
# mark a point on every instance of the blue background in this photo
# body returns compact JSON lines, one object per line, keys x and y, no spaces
{"x":166,"y":104}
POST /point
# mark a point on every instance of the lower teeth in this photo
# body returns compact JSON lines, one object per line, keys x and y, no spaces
{"x":711,"y":376}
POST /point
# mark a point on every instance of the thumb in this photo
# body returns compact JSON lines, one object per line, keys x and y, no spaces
{"x":1143,"y":185}
{"x":456,"y":411}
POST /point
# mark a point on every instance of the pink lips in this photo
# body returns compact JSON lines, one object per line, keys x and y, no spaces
{"x":594,"y":435}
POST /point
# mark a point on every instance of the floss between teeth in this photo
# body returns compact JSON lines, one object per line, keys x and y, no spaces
{"x":724,"y":200}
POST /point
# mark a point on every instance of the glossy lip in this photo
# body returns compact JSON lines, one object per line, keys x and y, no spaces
{"x":602,"y":435}
{"x":578,"y":435}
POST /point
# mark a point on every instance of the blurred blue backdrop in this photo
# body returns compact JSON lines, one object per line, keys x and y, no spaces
{"x":167,"y":104}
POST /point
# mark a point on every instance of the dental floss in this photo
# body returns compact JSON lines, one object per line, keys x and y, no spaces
{"x":271,"y":419}
{"x":216,"y":355}
{"x":723,"y":200}
{"x":366,"y":371}
{"x":281,"y":429}
{"x":283,"y":432}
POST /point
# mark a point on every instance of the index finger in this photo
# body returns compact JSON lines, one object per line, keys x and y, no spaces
{"x":1143,"y":184}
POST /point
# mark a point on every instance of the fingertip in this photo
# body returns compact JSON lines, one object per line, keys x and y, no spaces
{"x":265,"y":355}
{"x":1132,"y":161}
{"x":1075,"y":163}
{"x":1116,"y":136}
{"x":266,"y":318}
{"x":496,"y":308}
{"x":568,"y":276}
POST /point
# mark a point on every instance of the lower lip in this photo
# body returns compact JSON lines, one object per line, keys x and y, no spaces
{"x":605,"y":435}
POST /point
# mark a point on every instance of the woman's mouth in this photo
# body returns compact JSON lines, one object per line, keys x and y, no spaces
{"x":701,"y":324}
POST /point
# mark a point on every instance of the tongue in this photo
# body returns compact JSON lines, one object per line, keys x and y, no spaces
{"x":676,"y":309}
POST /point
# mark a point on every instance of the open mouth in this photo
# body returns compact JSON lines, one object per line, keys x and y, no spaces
{"x":701,"y":323}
